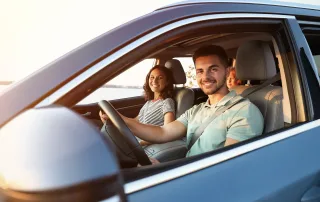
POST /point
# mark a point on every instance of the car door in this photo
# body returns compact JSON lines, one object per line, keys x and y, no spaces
{"x":279,"y":171}
{"x":280,"y":166}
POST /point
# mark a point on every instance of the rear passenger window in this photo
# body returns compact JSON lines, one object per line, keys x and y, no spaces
{"x":317,"y":60}
{"x":313,"y":39}
{"x":189,"y":69}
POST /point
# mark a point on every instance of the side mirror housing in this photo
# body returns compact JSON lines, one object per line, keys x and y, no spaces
{"x":54,"y":154}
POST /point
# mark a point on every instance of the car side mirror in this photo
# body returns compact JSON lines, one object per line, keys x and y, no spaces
{"x":53,"y":154}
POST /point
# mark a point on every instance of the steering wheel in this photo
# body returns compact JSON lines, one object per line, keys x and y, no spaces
{"x":126,"y":134}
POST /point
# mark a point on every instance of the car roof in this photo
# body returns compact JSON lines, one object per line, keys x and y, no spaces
{"x":262,"y":2}
{"x":229,"y":41}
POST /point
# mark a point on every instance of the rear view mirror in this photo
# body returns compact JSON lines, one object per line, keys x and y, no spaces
{"x":53,"y":154}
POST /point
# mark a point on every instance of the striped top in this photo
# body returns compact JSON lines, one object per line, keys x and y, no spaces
{"x":153,"y":112}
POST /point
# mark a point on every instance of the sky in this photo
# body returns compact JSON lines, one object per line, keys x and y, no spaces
{"x":35,"y":32}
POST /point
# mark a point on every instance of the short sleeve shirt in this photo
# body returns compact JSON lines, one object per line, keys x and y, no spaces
{"x":153,"y":112}
{"x":240,"y":122}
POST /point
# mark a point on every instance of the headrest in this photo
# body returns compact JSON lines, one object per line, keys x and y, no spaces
{"x":255,"y":61}
{"x":179,"y":76}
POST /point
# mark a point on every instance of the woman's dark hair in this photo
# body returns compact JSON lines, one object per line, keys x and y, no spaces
{"x":167,"y":92}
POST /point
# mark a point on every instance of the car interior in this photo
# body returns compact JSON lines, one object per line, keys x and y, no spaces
{"x":256,"y":58}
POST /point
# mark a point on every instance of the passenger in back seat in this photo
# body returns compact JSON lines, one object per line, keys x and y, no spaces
{"x":232,"y":79}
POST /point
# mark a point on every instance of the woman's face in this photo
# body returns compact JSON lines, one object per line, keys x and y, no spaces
{"x":231,"y":80}
{"x":157,"y":81}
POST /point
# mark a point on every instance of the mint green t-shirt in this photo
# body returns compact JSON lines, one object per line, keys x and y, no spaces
{"x":240,"y":122}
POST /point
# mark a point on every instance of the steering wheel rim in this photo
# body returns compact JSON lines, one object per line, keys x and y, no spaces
{"x":126,"y":133}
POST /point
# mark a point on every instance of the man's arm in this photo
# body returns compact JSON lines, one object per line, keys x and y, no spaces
{"x":168,"y":118}
{"x":245,"y":124}
{"x":104,"y":117}
{"x":156,"y":134}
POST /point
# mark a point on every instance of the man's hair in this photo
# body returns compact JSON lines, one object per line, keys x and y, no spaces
{"x":212,"y":50}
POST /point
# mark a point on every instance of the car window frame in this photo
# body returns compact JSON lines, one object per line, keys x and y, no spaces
{"x":245,"y":144}
{"x":142,"y":48}
{"x":307,"y":67}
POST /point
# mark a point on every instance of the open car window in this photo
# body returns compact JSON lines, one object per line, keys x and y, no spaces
{"x":270,"y":136}
{"x":127,"y":84}
{"x":313,"y":39}
{"x":232,"y":35}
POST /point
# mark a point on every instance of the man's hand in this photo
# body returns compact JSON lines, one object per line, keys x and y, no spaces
{"x":230,"y":141}
{"x":103,"y":117}
{"x":153,"y":161}
{"x":144,"y":143}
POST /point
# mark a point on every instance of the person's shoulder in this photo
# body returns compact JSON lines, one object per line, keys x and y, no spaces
{"x":243,"y":101}
{"x":148,"y":101}
{"x":245,"y":106}
{"x":192,"y":111}
{"x":169,"y":99}
{"x":197,"y":107}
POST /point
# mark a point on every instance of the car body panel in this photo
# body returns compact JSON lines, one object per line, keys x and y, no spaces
{"x":282,"y":171}
{"x":281,"y":166}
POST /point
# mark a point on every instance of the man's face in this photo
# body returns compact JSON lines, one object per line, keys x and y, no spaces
{"x":211,"y":74}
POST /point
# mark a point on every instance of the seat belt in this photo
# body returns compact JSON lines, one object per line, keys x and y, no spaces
{"x":238,"y":99}
{"x":264,"y":84}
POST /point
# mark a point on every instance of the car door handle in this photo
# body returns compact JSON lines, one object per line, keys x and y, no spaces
{"x":312,"y":195}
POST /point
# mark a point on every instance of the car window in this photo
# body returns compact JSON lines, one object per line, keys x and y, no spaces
{"x":317,"y":60}
{"x":189,"y":69}
{"x":313,"y":40}
{"x":267,"y":113}
{"x":127,"y":84}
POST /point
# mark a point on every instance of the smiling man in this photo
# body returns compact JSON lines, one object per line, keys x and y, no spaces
{"x":206,"y":125}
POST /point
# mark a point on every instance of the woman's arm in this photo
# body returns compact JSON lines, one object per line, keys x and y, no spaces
{"x":169,"y":117}
{"x":137,"y":118}
{"x":168,"y":111}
